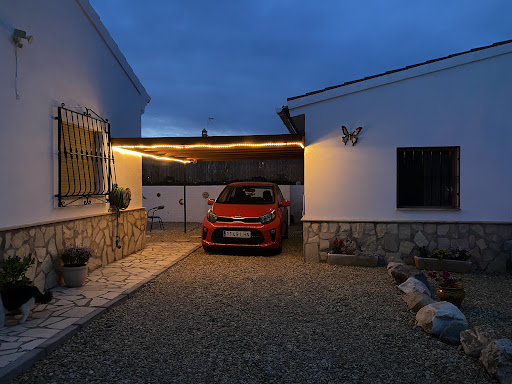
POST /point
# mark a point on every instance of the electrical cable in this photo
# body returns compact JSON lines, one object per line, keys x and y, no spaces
{"x":16,"y":76}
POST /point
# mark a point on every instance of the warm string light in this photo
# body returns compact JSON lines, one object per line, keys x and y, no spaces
{"x":213,"y":146}
{"x":124,"y":150}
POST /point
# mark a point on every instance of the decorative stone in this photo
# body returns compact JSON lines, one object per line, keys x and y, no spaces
{"x":19,"y":238}
{"x":23,"y":251}
{"x":406,"y":247}
{"x":380,"y":229}
{"x":323,"y":256}
{"x":430,"y":229}
{"x":46,"y":265}
{"x":39,"y":281}
{"x":497,"y":360}
{"x":416,"y":301}
{"x":478,"y":229}
{"x":324,"y":245}
{"x":451,"y":334}
{"x":310,"y":253}
{"x":390,"y":243}
{"x":476,"y":339}
{"x":420,"y":239}
{"x":404,"y":231}
{"x":333,"y":227}
{"x":400,"y":272}
{"x":499,"y":264}
{"x":323,"y":235}
{"x":392,"y":229}
{"x":39,"y":239}
{"x":314,"y":227}
{"x":443,"y":243}
{"x":443,"y":229}
{"x":323,"y":228}
{"x":432,"y":246}
{"x":412,"y":285}
{"x":52,"y":248}
{"x":344,"y":227}
{"x":369,"y":229}
{"x":369,"y":243}
{"x":436,"y":317}
{"x":357,"y":230}
{"x":40,"y":254}
{"x":50,"y":231}
{"x":459,"y":243}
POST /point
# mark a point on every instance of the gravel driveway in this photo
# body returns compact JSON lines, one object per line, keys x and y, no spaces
{"x":256,"y":319}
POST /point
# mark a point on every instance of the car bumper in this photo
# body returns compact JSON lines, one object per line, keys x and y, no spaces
{"x":262,"y":236}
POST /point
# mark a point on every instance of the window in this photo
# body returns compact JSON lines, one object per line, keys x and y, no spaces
{"x":428,"y":177}
{"x":85,"y":157}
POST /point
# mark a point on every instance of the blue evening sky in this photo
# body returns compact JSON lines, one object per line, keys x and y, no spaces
{"x":237,"y":61}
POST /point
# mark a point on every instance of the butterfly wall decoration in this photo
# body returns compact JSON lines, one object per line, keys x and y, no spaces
{"x":350,"y":136}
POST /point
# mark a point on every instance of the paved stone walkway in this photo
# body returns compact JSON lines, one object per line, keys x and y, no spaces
{"x":49,"y":325}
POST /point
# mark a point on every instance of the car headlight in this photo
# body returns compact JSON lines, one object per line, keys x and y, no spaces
{"x":211,"y":217}
{"x":268,"y":217}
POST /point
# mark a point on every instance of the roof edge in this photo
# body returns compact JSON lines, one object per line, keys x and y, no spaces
{"x":98,"y":25}
{"x":403,"y":69}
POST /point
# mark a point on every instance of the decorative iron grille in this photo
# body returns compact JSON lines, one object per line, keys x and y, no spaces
{"x":85,"y":159}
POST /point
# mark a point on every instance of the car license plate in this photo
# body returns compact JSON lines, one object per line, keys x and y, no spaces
{"x":239,"y":234}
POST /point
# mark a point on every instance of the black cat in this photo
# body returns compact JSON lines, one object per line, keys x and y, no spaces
{"x":21,"y":297}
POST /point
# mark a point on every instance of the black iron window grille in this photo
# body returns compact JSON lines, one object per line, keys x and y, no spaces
{"x":85,"y":158}
{"x":428,"y":177}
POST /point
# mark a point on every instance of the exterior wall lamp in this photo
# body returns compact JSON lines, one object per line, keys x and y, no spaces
{"x":19,"y":34}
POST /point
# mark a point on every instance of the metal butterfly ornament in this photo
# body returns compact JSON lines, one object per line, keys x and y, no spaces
{"x":350,"y":136}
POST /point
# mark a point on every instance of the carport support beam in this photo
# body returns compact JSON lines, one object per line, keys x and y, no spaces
{"x":185,"y":197}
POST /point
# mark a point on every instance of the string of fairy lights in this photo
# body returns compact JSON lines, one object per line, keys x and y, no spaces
{"x":133,"y":149}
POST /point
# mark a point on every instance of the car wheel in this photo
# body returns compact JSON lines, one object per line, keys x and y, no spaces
{"x":208,"y":249}
{"x":280,"y":248}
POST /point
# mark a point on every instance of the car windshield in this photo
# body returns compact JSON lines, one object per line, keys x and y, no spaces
{"x":246,"y":194}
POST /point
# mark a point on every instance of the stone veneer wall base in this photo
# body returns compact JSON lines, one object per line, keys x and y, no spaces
{"x":46,"y":241}
{"x":490,"y":244}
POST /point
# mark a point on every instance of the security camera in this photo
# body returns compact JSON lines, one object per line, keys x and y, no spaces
{"x":19,"y":34}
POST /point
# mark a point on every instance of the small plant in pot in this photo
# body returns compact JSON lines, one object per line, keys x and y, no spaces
{"x":448,"y":288}
{"x":74,"y":269}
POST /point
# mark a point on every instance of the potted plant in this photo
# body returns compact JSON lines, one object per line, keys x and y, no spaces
{"x":12,"y":272}
{"x":448,"y":288}
{"x":74,"y":269}
{"x":344,"y":252}
{"x":453,"y":260}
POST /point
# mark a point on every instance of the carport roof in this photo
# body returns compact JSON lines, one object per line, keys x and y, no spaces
{"x":215,"y":148}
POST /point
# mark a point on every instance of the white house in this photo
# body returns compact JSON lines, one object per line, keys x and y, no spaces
{"x":57,"y":54}
{"x":431,"y":167}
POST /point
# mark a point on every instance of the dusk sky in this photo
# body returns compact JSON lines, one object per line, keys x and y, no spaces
{"x":237,"y":61}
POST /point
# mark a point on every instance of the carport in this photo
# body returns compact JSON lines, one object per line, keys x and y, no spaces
{"x":217,"y":148}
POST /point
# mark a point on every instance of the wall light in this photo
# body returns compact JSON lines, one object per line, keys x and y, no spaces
{"x":19,"y":34}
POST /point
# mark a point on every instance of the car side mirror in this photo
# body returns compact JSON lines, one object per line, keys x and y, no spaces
{"x":211,"y":201}
{"x":284,"y":203}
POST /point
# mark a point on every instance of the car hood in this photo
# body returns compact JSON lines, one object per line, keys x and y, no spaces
{"x":243,"y":210}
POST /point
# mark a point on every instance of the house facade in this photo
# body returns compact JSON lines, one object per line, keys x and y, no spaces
{"x":431,"y":166}
{"x":64,"y":93}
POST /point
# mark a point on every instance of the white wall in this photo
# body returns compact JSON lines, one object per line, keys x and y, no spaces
{"x":68,"y":62}
{"x":197,"y":206}
{"x":466,"y":106}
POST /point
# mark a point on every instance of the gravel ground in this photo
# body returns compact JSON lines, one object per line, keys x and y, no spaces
{"x":255,"y":319}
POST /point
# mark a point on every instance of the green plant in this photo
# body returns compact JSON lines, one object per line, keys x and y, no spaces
{"x":459,"y":254}
{"x":439,"y":254}
{"x":75,"y":256}
{"x":423,"y":252}
{"x":14,"y":268}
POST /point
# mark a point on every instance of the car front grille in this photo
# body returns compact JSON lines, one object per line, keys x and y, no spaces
{"x":255,"y":239}
{"x":247,"y":220}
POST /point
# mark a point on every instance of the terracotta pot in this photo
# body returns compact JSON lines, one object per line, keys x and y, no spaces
{"x":74,"y":276}
{"x":454,"y":293}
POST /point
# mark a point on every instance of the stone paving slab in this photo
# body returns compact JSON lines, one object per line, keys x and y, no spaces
{"x":49,"y":325}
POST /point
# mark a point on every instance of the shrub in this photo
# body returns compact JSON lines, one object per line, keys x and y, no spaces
{"x":439,"y":254}
{"x":346,"y":247}
{"x":75,"y":256}
{"x":459,"y":254}
{"x":423,"y":252}
{"x":13,"y":270}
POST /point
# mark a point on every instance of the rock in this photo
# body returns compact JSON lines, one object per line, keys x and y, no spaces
{"x":412,"y":285}
{"x":421,"y":277}
{"x":401,"y":272}
{"x":420,"y":239}
{"x":451,"y":334}
{"x":475,"y":339}
{"x":416,"y":301}
{"x":497,"y":360}
{"x":436,"y":317}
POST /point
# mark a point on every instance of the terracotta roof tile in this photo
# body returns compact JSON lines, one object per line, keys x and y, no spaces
{"x":401,"y":69}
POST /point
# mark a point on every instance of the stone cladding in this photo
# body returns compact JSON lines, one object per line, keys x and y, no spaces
{"x":490,"y":244}
{"x":46,"y":241}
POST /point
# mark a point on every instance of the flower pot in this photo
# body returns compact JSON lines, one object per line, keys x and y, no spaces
{"x":352,"y":260}
{"x":453,"y":293}
{"x":432,"y":264}
{"x":74,"y":276}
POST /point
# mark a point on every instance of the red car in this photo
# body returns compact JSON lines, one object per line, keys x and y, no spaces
{"x":247,"y":215}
